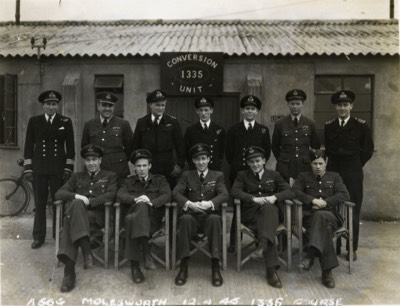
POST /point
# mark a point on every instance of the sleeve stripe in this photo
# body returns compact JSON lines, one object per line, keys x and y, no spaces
{"x":27,"y":162}
{"x":69,"y":161}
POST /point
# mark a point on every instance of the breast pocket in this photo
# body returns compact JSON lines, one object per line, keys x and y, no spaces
{"x":287,"y":137}
{"x":114,"y":138}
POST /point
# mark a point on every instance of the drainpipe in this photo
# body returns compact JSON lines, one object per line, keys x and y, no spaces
{"x":17,"y":11}
{"x":391,"y":9}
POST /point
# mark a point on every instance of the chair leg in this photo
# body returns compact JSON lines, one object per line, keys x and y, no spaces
{"x":116,"y":238}
{"x":350,"y":213}
{"x":174,"y":224}
{"x":167,"y":263}
{"x":224,"y":248}
{"x":106,"y":236}
{"x":289,"y":236}
{"x":238,"y":242}
{"x":58,"y":224}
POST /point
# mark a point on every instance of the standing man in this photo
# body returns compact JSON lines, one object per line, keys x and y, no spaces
{"x":240,"y":137}
{"x":145,"y":194}
{"x":112,"y":133}
{"x":260,"y":191}
{"x":161,"y":134}
{"x":320,"y":192}
{"x":293,"y":137}
{"x":199,"y":194}
{"x":349,"y":146}
{"x":49,"y":158}
{"x":85,"y":194}
{"x":208,"y":132}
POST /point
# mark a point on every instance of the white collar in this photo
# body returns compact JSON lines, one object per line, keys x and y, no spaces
{"x":260,"y":174}
{"x":345,"y":121}
{"x":246,"y":123}
{"x":204,"y":173}
{"x":207,"y":123}
{"x":48,"y":117}
{"x":90,"y":174}
{"x":298,"y":117}
{"x":154,"y":117}
{"x":102,"y":119}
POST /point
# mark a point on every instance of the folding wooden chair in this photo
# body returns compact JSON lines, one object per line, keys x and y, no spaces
{"x":164,"y":231}
{"x":200,"y":241}
{"x":282,"y":228}
{"x":104,"y":243}
{"x":346,"y":230}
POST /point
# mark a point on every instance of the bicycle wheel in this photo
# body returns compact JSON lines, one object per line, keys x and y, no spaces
{"x":13,"y":197}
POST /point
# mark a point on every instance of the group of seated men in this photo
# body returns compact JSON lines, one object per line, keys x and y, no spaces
{"x":199,"y":195}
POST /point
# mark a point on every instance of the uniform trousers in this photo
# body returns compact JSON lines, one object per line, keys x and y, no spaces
{"x":142,"y":220}
{"x":353,"y":176}
{"x":41,"y":184}
{"x":76,"y":226}
{"x":265,"y":221}
{"x":192,"y":223}
{"x":321,"y":226}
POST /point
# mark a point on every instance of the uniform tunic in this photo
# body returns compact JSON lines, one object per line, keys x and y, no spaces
{"x":49,"y":151}
{"x":190,"y":188}
{"x":238,"y":139}
{"x":214,"y":136}
{"x":141,"y":219}
{"x":291,"y":145}
{"x":161,"y":141}
{"x":115,"y":139}
{"x":322,"y":223}
{"x":77,"y":216}
{"x":264,"y":219}
{"x":348,"y":149}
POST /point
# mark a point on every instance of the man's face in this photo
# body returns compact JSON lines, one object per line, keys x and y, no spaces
{"x":142,"y":167}
{"x":106,"y":110}
{"x":92,"y":163}
{"x":158,"y":108}
{"x":296,"y":107}
{"x":256,"y":164}
{"x":50,"y":108}
{"x":343,"y":109}
{"x":201,"y":162}
{"x":250,"y":112}
{"x":318,"y":166}
{"x":204,"y":113}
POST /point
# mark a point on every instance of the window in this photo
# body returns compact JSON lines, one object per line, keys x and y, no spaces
{"x":8,"y":110}
{"x":114,"y":84}
{"x":326,"y":86}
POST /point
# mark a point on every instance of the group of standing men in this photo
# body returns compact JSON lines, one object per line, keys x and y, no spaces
{"x":157,"y":144}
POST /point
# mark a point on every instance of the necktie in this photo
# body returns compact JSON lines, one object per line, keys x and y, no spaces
{"x":296,"y":121}
{"x":156,"y":120}
{"x":143,"y":180}
{"x":105,"y":122}
{"x":258,"y":176}
{"x":341,"y":123}
{"x":205,"y":127}
{"x":49,"y":120}
{"x":318,"y":178}
{"x":92,"y":176}
{"x":201,"y":177}
{"x":249,"y":127}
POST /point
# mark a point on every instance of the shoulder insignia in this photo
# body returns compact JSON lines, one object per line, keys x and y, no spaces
{"x":360,"y":120}
{"x":329,"y":122}
{"x":65,"y":119}
{"x":218,"y":131}
{"x":167,"y":115}
{"x":263,"y":131}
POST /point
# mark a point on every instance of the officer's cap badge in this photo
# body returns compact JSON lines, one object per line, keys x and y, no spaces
{"x":251,"y":150}
{"x":52,"y":95}
{"x":295,"y":93}
{"x":203,"y":100}
{"x":250,"y":99}
{"x":159,"y":94}
{"x":343,"y":95}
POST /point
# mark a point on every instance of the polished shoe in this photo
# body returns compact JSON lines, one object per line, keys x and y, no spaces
{"x":306,"y":263}
{"x":88,"y":262}
{"x":273,"y":278}
{"x":216,"y":277}
{"x":149,"y":263}
{"x":36,"y":244}
{"x":257,"y":254}
{"x":180,"y":279}
{"x":68,"y":283}
{"x":231,"y":249}
{"x":354,"y":256}
{"x":327,"y":279}
{"x":137,"y":275}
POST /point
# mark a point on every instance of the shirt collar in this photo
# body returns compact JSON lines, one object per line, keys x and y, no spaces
{"x":298,"y":117}
{"x":90,"y":173}
{"x":205,"y":173}
{"x":345,"y":120}
{"x":102,"y":119}
{"x":207,"y":123}
{"x":147,"y":178}
{"x":259,"y":174}
{"x":246,"y":123}
{"x":154,"y":117}
{"x":48,"y":117}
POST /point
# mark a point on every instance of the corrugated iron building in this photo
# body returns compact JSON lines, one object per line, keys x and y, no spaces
{"x":266,"y":58}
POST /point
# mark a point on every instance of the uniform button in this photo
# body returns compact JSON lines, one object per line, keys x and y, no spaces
{"x":211,"y":147}
{"x":102,"y":139}
{"x":244,"y":159}
{"x":210,"y":161}
{"x":55,"y":150}
{"x":44,"y":155}
{"x":55,"y":140}
{"x":201,"y":194}
{"x":244,"y":149}
{"x":297,"y":155}
{"x":104,"y":132}
{"x":44,"y":140}
{"x":297,"y":139}
{"x":91,"y":183}
{"x":320,"y":182}
{"x":295,"y":131}
{"x":212,"y":151}
{"x":244,"y":164}
{"x":320,"y":190}
{"x":259,"y":186}
{"x":259,"y":193}
{"x":44,"y":150}
{"x":90,"y":191}
{"x":55,"y":154}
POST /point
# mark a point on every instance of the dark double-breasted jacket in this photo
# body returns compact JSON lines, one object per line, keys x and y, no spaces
{"x":161,"y":141}
{"x":238,"y":139}
{"x":330,"y":188}
{"x":190,"y":188}
{"x":100,"y":189}
{"x":49,"y":148}
{"x":115,"y":139}
{"x":214,"y":136}
{"x":247,"y":186}
{"x":291,"y":145}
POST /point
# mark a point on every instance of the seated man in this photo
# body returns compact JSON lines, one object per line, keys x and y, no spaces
{"x":320,"y":192}
{"x":200,"y":194}
{"x":145,"y":194}
{"x":260,"y":191}
{"x":85,"y":194}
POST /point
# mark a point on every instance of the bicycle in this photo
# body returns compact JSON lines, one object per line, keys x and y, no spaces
{"x":15,"y":194}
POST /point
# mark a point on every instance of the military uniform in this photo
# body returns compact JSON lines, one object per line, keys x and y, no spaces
{"x":214,"y":136}
{"x":142,"y":220}
{"x":115,"y":139}
{"x":49,"y":152}
{"x":262,"y":218}
{"x":330,"y":188}
{"x":78,"y":217}
{"x":161,"y":141}
{"x":190,"y":188}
